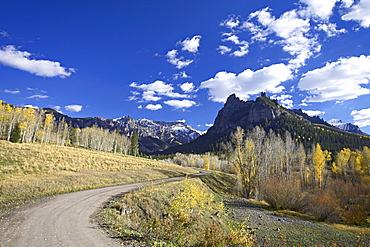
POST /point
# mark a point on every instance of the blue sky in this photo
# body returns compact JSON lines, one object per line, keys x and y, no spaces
{"x":176,"y":60}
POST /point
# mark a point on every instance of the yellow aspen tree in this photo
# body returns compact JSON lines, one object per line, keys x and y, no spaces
{"x":48,"y":127}
{"x":237,"y":156}
{"x":207,"y":164}
{"x":319,"y":161}
{"x":366,"y":160}
{"x":356,"y":162}
{"x":341,"y":162}
{"x":29,"y":118}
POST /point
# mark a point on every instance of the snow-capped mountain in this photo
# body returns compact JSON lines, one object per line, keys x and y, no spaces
{"x":170,"y":132}
{"x":346,"y":126}
{"x":153,"y":136}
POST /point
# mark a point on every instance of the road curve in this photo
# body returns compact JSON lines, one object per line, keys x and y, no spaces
{"x":64,"y":220}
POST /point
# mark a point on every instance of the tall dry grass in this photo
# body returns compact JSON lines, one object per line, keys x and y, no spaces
{"x":29,"y":171}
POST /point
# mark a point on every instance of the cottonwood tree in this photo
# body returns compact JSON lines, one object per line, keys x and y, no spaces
{"x":244,"y":161}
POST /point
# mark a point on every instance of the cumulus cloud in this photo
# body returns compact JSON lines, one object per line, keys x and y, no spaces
{"x":11,"y":57}
{"x":359,"y":12}
{"x":285,"y":100}
{"x":180,"y":75}
{"x":247,"y":83}
{"x":55,"y":107}
{"x":224,"y":49}
{"x":154,"y":91}
{"x":242,"y":46}
{"x":330,"y":29}
{"x":319,"y":8}
{"x":361,"y":117}
{"x":188,"y":87}
{"x":293,"y":32}
{"x":73,"y":108}
{"x":313,"y":113}
{"x":340,"y":80}
{"x":153,"y":107}
{"x":191,"y":44}
{"x":180,"y":104}
{"x":231,"y":22}
{"x":179,"y":62}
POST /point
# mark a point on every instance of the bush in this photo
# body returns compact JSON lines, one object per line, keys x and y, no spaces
{"x":183,"y":213}
{"x":353,"y":200}
{"x":341,"y":201}
{"x":283,"y":194}
{"x":323,"y":206}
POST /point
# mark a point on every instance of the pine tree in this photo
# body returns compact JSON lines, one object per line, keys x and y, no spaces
{"x":134,"y":146}
{"x":16,"y":136}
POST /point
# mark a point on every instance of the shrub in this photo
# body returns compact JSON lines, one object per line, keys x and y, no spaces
{"x":283,"y":194}
{"x":182,"y":213}
{"x":354,"y":201}
{"x":323,"y":206}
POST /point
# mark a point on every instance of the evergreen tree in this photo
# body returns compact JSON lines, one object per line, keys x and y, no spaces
{"x":16,"y":136}
{"x":134,"y":146}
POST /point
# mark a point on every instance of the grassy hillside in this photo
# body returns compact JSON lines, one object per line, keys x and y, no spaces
{"x":30,"y":171}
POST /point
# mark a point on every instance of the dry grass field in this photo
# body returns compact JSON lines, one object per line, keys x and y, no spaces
{"x":31,"y":171}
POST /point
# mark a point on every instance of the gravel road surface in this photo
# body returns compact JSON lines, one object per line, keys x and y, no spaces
{"x":63,"y":220}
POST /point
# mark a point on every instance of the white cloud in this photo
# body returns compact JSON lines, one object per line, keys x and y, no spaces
{"x":180,"y":104}
{"x":313,"y":113}
{"x":330,"y":29}
{"x":181,"y":121}
{"x":188,"y":87}
{"x":153,"y":107}
{"x":338,"y":81}
{"x":361,"y":117}
{"x":4,"y":33}
{"x":12,"y":91}
{"x":224,"y":49}
{"x":180,"y":75}
{"x":150,"y":96}
{"x":290,"y":31}
{"x":154,"y":91}
{"x":285,"y":100}
{"x":247,"y":82}
{"x":360,"y":13}
{"x":10,"y":56}
{"x":38,"y":96}
{"x":32,"y":106}
{"x":178,"y":62}
{"x":191,"y":44}
{"x":55,"y":107}
{"x":231,"y":22}
{"x":209,"y":125}
{"x":319,"y":8}
{"x":242,"y":45}
{"x":73,"y":108}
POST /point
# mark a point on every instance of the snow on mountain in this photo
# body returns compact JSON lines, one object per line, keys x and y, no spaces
{"x":346,"y":126}
{"x":167,"y":131}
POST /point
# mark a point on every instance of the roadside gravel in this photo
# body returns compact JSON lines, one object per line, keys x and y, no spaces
{"x":273,"y":230}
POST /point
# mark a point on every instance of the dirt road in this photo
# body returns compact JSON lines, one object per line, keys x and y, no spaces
{"x":63,"y":220}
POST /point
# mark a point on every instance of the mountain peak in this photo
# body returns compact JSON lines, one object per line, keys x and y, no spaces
{"x":346,"y":126}
{"x":334,"y":121}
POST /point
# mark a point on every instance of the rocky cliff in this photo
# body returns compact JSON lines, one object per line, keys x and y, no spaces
{"x":247,"y":114}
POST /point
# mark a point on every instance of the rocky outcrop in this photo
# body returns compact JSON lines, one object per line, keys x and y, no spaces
{"x":246,"y":114}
